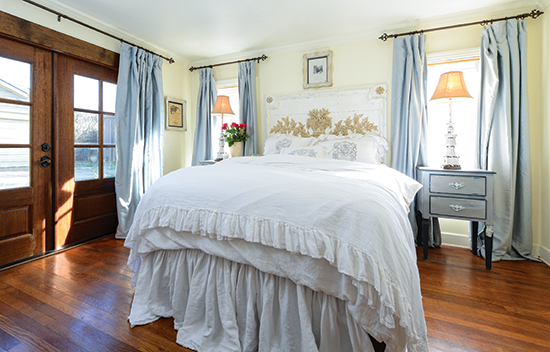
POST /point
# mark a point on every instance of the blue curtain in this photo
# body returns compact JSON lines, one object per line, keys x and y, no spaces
{"x":205,"y":145}
{"x":503,"y":139}
{"x":139,"y":130}
{"x":247,"y":99}
{"x":409,"y":114}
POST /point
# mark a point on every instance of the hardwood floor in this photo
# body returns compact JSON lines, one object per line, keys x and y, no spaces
{"x":469,"y":308}
{"x":79,"y":300}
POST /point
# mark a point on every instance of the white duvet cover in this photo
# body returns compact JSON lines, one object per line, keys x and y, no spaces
{"x":336,"y":227}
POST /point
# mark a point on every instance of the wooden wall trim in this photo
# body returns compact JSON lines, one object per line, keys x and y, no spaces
{"x":21,"y":30}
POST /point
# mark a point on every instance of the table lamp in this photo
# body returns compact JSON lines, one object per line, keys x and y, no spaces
{"x":451,"y":85}
{"x":222,"y":107}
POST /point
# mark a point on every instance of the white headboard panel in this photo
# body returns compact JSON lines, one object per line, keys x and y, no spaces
{"x":330,"y":111}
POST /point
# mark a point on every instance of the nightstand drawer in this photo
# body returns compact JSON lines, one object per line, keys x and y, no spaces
{"x":466,"y":185}
{"x":458,"y":207}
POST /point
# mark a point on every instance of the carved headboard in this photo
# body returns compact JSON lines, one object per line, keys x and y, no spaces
{"x":332,"y":111}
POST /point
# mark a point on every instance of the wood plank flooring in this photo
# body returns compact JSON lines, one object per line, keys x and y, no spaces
{"x":79,"y":300}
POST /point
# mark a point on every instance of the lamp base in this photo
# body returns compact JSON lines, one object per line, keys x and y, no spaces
{"x":451,"y":167}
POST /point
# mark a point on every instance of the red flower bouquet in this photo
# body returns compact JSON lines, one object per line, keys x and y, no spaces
{"x":236,"y":132}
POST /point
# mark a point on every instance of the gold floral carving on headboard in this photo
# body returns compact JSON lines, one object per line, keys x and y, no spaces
{"x":319,"y":121}
{"x":288,"y":126}
{"x":354,"y":125}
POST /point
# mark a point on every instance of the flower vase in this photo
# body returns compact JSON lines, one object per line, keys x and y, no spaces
{"x":236,"y":149}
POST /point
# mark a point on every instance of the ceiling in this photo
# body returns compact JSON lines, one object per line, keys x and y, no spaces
{"x":201,"y":29}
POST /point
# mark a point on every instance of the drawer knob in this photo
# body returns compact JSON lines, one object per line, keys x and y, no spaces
{"x":456,"y":207}
{"x":457,"y":185}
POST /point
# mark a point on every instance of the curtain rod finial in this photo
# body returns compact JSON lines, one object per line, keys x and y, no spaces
{"x":384,"y":37}
{"x":535,"y":13}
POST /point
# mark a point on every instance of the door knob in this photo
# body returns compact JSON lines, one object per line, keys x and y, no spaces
{"x":45,"y":161}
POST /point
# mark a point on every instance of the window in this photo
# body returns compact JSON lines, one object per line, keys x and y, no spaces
{"x":94,"y":128}
{"x":15,"y":126}
{"x":231,"y":89}
{"x":464,"y":114}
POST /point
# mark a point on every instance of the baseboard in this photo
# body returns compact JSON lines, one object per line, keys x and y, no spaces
{"x":542,"y":253}
{"x":455,"y":240}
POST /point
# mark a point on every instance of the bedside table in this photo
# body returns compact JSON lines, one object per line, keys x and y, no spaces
{"x":207,"y":162}
{"x":457,"y":194}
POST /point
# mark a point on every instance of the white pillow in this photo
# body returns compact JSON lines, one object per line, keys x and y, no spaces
{"x":315,"y":151}
{"x":274,"y":145}
{"x":369,"y":149}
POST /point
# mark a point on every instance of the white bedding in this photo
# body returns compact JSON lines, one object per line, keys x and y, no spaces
{"x":336,"y":227}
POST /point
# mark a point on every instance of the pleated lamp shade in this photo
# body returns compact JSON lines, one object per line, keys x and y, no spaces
{"x":451,"y":85}
{"x":222,"y":106}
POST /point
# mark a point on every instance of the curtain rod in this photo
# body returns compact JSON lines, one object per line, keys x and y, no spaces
{"x":263,"y":57}
{"x":534,"y":14}
{"x":61,"y":15}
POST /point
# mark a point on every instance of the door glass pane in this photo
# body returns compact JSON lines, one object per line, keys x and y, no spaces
{"x":15,"y":79}
{"x":86,"y":93}
{"x":86,"y":165}
{"x":14,"y":168}
{"x":14,"y":124}
{"x":109,"y":97}
{"x":109,"y":129}
{"x":109,"y":162}
{"x":86,"y":128}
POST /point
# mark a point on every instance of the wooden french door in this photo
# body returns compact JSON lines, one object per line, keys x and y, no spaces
{"x":57,"y":151}
{"x":25,"y":151}
{"x":85,"y":153}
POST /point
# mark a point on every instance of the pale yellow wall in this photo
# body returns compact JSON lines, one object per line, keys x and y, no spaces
{"x":177,"y":84}
{"x":544,"y":127}
{"x":176,"y":77}
{"x":535,"y":81}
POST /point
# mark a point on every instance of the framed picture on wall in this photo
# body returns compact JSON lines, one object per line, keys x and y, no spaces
{"x":318,"y":69}
{"x":175,"y":114}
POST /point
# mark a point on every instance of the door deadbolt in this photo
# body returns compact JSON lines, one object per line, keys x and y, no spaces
{"x":46,"y":147}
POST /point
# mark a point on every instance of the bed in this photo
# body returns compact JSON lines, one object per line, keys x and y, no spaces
{"x":307,"y":248}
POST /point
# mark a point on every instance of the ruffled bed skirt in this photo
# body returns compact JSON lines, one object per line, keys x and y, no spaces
{"x":220,"y":305}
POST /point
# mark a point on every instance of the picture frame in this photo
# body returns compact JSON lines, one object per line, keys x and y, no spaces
{"x":175,"y":114}
{"x":318,"y":69}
